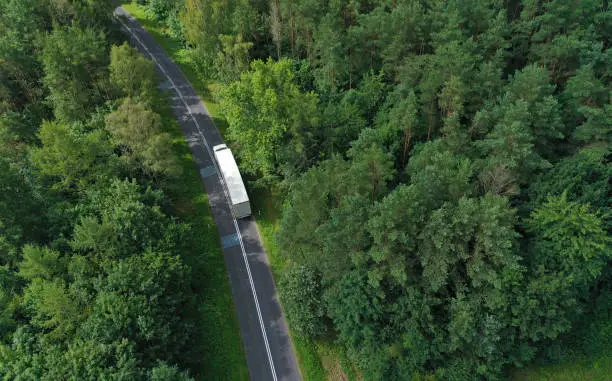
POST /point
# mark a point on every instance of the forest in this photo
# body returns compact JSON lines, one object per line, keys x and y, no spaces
{"x":443,"y":166}
{"x":443,"y":169}
{"x":95,"y":283}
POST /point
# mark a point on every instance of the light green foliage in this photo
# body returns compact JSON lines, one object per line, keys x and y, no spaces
{"x":165,"y":372}
{"x":572,"y":237}
{"x":137,"y":132}
{"x":232,"y":58}
{"x":132,"y":73}
{"x":74,"y":62}
{"x":54,"y":307}
{"x":301,"y":296}
{"x":569,"y":250}
{"x":71,"y":159}
{"x":30,"y":357}
{"x":270,"y":119}
{"x":40,"y":262}
{"x":220,"y":25}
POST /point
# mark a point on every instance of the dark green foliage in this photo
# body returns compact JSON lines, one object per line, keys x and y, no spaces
{"x":96,"y":14}
{"x":19,"y":220}
{"x":445,"y":127}
{"x":447,"y":168}
{"x":584,"y":177}
{"x":20,"y":72}
{"x":150,"y":316}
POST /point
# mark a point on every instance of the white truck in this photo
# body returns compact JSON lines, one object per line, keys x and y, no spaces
{"x":231,"y":175}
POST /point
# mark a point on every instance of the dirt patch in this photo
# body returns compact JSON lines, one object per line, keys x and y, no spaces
{"x":333,"y":369}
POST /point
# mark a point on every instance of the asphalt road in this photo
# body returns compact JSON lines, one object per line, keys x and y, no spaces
{"x":263,"y":327}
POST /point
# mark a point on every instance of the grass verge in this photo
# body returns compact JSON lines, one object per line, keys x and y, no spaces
{"x":311,"y":356}
{"x":317,"y":360}
{"x":585,"y":352}
{"x":597,"y":368}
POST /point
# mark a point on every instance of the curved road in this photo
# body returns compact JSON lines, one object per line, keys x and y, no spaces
{"x":263,"y":328}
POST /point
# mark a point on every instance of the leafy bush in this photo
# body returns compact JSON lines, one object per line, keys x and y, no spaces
{"x":300,"y":291}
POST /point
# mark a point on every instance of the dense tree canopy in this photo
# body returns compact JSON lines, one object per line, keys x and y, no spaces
{"x":93,"y":284}
{"x":444,"y":167}
{"x":438,"y":160}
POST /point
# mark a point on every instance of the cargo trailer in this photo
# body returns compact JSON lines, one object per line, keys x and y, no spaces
{"x":241,"y":206}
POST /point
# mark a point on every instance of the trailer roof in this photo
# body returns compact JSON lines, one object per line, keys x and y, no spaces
{"x":231,"y":174}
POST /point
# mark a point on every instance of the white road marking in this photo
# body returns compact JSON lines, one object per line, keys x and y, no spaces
{"x":244,"y":255}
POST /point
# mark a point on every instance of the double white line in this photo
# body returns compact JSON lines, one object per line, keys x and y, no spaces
{"x":246,"y":262}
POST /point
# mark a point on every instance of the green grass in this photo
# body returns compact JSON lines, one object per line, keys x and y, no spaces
{"x":266,"y":210}
{"x":585,"y":352}
{"x":597,"y":368}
